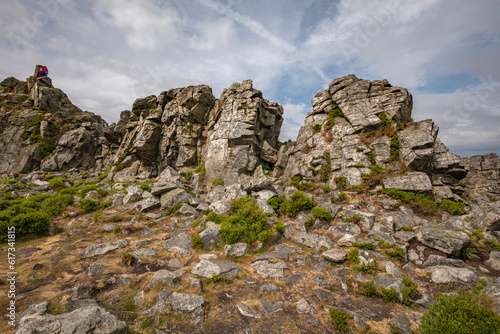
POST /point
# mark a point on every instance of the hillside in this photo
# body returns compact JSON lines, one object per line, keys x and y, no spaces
{"x":189,"y":216}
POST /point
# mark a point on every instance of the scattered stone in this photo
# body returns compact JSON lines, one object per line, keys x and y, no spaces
{"x":494,"y":260}
{"x":196,"y":283}
{"x":180,"y":243}
{"x":303,"y":307}
{"x":247,"y":311}
{"x":134,"y":193}
{"x":269,"y":269}
{"x":445,"y":274}
{"x":165,"y":278}
{"x":145,"y":252}
{"x":147,"y":204}
{"x":95,"y":268}
{"x":269,"y":287}
{"x":101,"y":249}
{"x":37,"y":266}
{"x":280,"y":252}
{"x":400,"y":324}
{"x":381,"y":232}
{"x":337,"y":231}
{"x":209,"y":268}
{"x":236,"y":250}
{"x":444,"y":239}
{"x":175,"y":264}
{"x":190,"y":304}
{"x":346,"y":241}
{"x":312,"y":240}
{"x":334,"y":255}
{"x":270,"y":308}
{"x":391,"y":269}
{"x":413,"y":181}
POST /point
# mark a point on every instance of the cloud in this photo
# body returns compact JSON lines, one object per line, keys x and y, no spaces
{"x":294,"y":115}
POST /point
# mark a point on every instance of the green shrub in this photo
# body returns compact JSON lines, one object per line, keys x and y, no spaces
{"x":26,"y":223}
{"x":201,"y":170}
{"x":214,"y":217}
{"x":352,"y":256}
{"x":189,"y":175}
{"x":103,"y":176}
{"x":218,"y":182}
{"x":341,"y":182}
{"x":57,"y":183}
{"x":46,"y":148}
{"x":397,"y":253}
{"x":394,"y":148}
{"x":196,"y":241}
{"x":368,"y":246}
{"x":455,"y":208}
{"x":55,"y":205}
{"x":326,"y":188}
{"x":316,"y":127}
{"x":88,"y":205}
{"x":300,"y":202}
{"x":410,"y":291}
{"x":369,"y":289}
{"x":334,"y":112}
{"x":420,"y":201}
{"x":280,"y":227}
{"x":321,"y":213}
{"x":339,"y":319}
{"x":276,"y":202}
{"x":460,"y":314}
{"x":390,"y":295}
{"x":128,"y":259}
{"x":302,"y":185}
{"x":247,"y":223}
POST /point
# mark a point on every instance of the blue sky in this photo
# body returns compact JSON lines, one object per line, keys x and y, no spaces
{"x":105,"y":54}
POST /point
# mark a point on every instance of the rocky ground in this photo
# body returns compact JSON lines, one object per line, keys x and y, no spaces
{"x":127,"y":270}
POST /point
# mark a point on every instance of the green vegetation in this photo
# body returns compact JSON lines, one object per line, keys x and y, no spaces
{"x":316,"y":127}
{"x":394,"y":148}
{"x":339,"y":319}
{"x":300,"y":202}
{"x":423,"y":202}
{"x":410,"y":291}
{"x":302,"y":185}
{"x":341,"y":182}
{"x":397,"y":253}
{"x":189,"y":175}
{"x":46,"y":148}
{"x":454,"y":208}
{"x":88,"y":205}
{"x":321,"y":213}
{"x":334,"y":112}
{"x":280,"y":227}
{"x":352,"y":256}
{"x":368,"y":246}
{"x":35,"y":121}
{"x":128,"y":259}
{"x":218,"y":182}
{"x":326,"y":188}
{"x":214,"y":217}
{"x":390,"y":295}
{"x":247,"y":223}
{"x":460,"y":314}
{"x":103,"y":175}
{"x":196,"y":241}
{"x":57,"y":183}
{"x":201,"y":170}
{"x":375,"y":177}
{"x":369,"y":289}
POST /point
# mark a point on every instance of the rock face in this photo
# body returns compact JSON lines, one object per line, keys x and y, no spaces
{"x":243,"y":130}
{"x":46,"y":131}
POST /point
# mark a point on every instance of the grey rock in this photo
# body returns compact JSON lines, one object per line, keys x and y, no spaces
{"x":346,"y":241}
{"x":92,"y":319}
{"x":175,"y":264}
{"x":270,"y":308}
{"x":402,"y":324}
{"x":269,"y":287}
{"x":208,"y":268}
{"x":95,"y":268}
{"x":173,"y":197}
{"x":247,"y":311}
{"x":77,"y":292}
{"x":436,"y":260}
{"x":210,"y":237}
{"x":446,"y":274}
{"x":94,"y":250}
{"x":237,"y":250}
{"x":447,"y":240}
{"x":339,"y":230}
{"x":269,"y":269}
{"x":147,"y":204}
{"x":187,"y":210}
{"x":303,"y":307}
{"x":145,"y":252}
{"x":381,"y":232}
{"x":180,"y":243}
{"x":334,"y":255}
{"x":312,"y":240}
{"x":134,"y":192}
{"x":387,"y":282}
{"x":196,"y":283}
{"x":220,"y":207}
{"x":413,"y":181}
{"x":494,"y":260}
{"x":190,"y":304}
{"x":165,"y":278}
{"x":280,"y":252}
{"x":391,"y":269}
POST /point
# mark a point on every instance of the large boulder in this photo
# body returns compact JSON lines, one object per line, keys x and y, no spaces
{"x":443,"y":238}
{"x":90,"y":319}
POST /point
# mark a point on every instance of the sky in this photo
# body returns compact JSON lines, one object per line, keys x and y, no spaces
{"x":105,"y":54}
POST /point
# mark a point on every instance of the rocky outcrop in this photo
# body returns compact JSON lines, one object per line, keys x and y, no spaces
{"x":243,"y":130}
{"x":46,"y":131}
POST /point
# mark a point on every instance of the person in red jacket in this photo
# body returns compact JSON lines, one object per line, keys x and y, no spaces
{"x":41,"y":72}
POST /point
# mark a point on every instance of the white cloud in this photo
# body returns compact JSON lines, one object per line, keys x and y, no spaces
{"x":294,"y":115}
